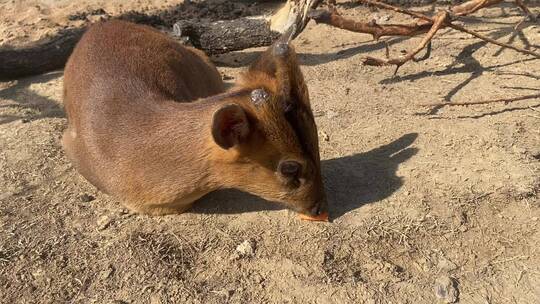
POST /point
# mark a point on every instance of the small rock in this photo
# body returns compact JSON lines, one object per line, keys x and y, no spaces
{"x":331,"y":114}
{"x":6,"y":195}
{"x":96,"y":18}
{"x":246,"y":248}
{"x":445,"y":264}
{"x":324,"y":136}
{"x":226,"y":77}
{"x":446,"y":289}
{"x":148,"y":288}
{"x":38,"y":273}
{"x":85,"y":198}
{"x":106,"y":273}
{"x":258,"y":279}
{"x":227,"y":293}
{"x":104,"y":222}
{"x":156,"y":299}
{"x":380,"y":18}
{"x":98,"y":11}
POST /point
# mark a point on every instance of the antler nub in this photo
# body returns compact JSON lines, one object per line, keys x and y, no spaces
{"x":281,"y":49}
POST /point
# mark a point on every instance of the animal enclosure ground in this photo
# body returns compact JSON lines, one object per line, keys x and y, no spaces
{"x":415,"y":194}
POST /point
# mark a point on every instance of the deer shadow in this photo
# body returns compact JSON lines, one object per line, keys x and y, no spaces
{"x":29,"y":104}
{"x":350,"y":182}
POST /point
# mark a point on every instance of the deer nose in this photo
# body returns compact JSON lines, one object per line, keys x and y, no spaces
{"x":319,"y":208}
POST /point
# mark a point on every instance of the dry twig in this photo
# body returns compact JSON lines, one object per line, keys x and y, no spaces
{"x":473,"y":6}
{"x":529,"y":16}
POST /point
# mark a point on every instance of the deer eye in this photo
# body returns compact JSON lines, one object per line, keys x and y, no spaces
{"x":290,"y":168}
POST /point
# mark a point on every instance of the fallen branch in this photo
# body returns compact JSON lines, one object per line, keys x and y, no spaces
{"x":333,"y":18}
{"x":438,"y":23}
{"x":293,"y":12}
{"x":39,"y":57}
{"x":463,"y":10}
{"x":470,"y":7}
{"x":212,"y":37}
{"x":231,"y":35}
{"x":505,"y":100}
{"x":426,"y":24}
{"x":226,"y":36}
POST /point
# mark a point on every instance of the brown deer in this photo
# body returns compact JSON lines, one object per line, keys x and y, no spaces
{"x":150,"y":123}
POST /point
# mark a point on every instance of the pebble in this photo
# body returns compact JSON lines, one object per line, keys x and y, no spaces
{"x":106,"y":273}
{"x":324,"y":136}
{"x":331,"y":114}
{"x":156,"y":299}
{"x":258,"y":279}
{"x":104,"y":222}
{"x":226,"y":77}
{"x":446,"y":289}
{"x":246,"y":249}
{"x":381,"y":18}
{"x":85,"y":198}
{"x":445,"y":264}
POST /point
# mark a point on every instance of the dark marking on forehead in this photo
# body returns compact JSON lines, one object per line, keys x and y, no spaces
{"x":302,"y":124}
{"x":289,"y":106}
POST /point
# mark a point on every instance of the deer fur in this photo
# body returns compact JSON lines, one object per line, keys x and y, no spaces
{"x":150,"y":123}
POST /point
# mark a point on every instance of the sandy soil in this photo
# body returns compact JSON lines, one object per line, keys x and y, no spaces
{"x":415,"y":195}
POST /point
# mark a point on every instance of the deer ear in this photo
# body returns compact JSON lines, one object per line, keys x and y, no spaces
{"x":230,"y":126}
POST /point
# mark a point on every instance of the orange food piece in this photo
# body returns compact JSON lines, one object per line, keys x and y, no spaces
{"x":323,"y":217}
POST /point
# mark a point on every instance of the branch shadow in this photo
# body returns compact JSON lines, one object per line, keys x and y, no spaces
{"x":492,"y":113}
{"x":350,"y":182}
{"x":466,"y":63}
{"x":26,"y":100}
{"x":244,"y":58}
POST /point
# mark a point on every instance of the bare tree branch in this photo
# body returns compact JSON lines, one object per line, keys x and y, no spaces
{"x":333,"y":18}
{"x":425,"y":24}
{"x":440,"y":19}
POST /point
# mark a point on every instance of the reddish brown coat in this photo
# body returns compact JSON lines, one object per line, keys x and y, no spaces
{"x":150,"y":123}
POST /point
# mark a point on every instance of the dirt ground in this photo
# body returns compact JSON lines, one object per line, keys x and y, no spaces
{"x":415,"y":195}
